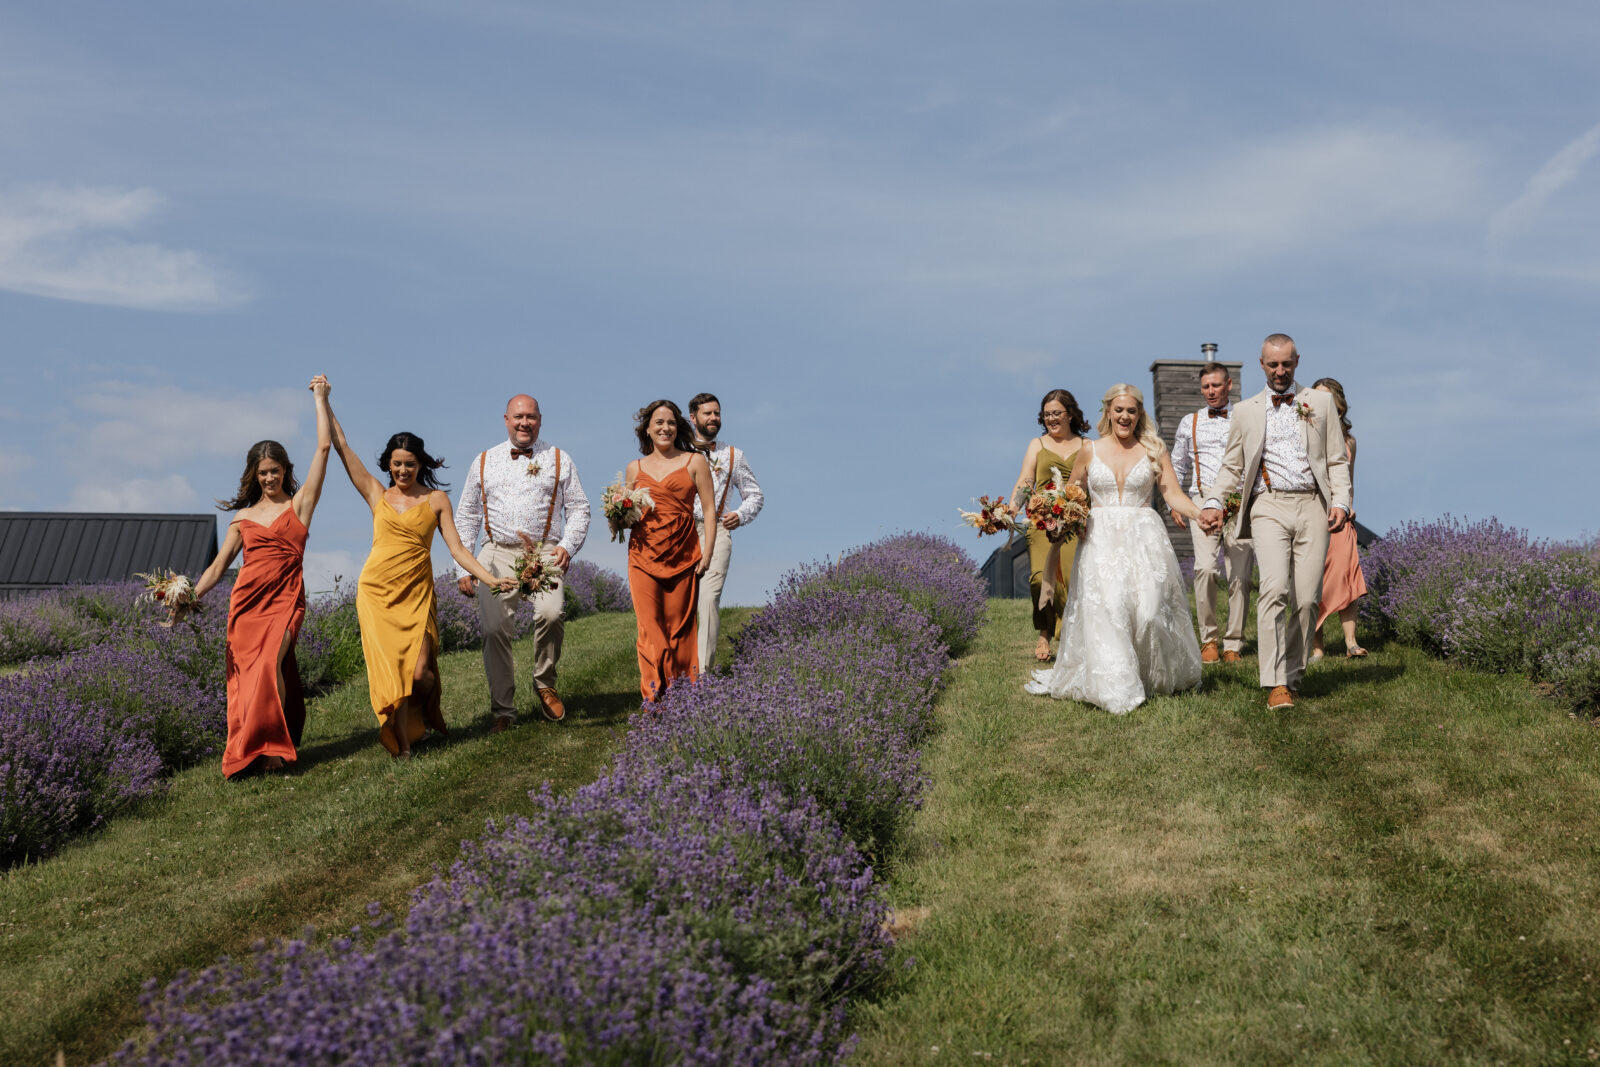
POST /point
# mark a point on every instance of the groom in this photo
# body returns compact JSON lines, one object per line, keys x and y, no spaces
{"x":1286,"y":458}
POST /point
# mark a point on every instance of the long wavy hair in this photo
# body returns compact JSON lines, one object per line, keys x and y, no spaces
{"x":1340,"y":404}
{"x":249,"y":494}
{"x":683,"y":440}
{"x":1075,"y":420}
{"x":426,"y":464}
{"x":1144,"y":430}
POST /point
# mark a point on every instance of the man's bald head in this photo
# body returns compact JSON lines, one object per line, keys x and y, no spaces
{"x":522,"y":420}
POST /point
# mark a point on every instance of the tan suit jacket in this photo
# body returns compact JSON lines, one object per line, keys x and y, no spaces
{"x":1247,"y":439}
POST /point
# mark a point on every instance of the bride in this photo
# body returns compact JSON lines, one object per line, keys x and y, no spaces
{"x":1125,"y":633}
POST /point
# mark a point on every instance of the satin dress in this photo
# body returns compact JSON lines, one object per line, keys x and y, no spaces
{"x":395,"y":606}
{"x":663,"y":551}
{"x":268,"y":601}
{"x":1047,"y":620}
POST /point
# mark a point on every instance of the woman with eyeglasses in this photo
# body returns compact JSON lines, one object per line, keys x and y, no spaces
{"x":1063,"y":424}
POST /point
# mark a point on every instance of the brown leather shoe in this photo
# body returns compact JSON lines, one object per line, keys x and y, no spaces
{"x":1208,"y":652}
{"x":500,"y":725}
{"x":553,"y":709}
{"x":1280,"y":699}
{"x":1230,"y":656}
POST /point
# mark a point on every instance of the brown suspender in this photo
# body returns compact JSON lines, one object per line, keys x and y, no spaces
{"x":1194,"y":444}
{"x":732,"y":454}
{"x":549,"y":516}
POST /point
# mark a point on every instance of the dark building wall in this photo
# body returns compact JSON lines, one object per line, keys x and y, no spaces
{"x":39,"y":550}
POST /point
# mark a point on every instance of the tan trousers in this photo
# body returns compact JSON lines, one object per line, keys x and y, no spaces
{"x":1290,"y":531}
{"x":496,"y":613}
{"x":709,"y":606}
{"x":1208,"y":578}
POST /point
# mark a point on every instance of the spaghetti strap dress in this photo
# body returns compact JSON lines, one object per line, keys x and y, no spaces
{"x":268,"y":601}
{"x":663,"y":550}
{"x":1045,"y":621}
{"x":395,"y":606}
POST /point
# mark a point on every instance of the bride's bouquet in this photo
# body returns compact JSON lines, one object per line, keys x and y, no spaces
{"x":1230,"y":512}
{"x":172,"y":590}
{"x":537,"y":569}
{"x":623,"y":506}
{"x":992,"y":516}
{"x":1059,"y":508}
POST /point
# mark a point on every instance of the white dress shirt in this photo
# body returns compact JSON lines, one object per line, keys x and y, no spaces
{"x":1283,"y":455}
{"x":744,"y":480}
{"x":1198,"y":471}
{"x":519,"y":499}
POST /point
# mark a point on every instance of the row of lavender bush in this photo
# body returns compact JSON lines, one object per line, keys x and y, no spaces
{"x":112,"y":703}
{"x":709,"y":900}
{"x":1489,"y":596}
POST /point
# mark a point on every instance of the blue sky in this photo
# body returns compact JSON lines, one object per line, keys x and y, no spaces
{"x":878,"y":231}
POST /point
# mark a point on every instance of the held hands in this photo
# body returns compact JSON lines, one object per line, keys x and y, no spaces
{"x":467,"y":584}
{"x":1211,"y":520}
{"x":508,"y":584}
{"x":319,"y":385}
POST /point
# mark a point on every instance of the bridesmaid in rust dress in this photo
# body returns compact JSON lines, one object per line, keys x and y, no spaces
{"x":665,"y":556}
{"x":266,"y":709}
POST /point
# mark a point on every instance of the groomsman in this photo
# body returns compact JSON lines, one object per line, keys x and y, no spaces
{"x":1197,"y":457}
{"x":730,"y":468}
{"x":521,"y":485}
{"x":1286,"y":456}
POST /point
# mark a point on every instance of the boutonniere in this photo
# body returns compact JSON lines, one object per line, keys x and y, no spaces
{"x":1303,"y":409}
{"x":716,"y":464}
{"x":534,"y":468}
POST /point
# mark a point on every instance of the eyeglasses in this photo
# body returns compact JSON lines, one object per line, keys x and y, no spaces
{"x":1052,"y":416}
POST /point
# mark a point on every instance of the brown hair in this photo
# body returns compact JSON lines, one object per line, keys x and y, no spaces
{"x":683,"y":441}
{"x":1214,"y":368}
{"x":702,"y":398}
{"x":249,"y":493}
{"x":1075,"y":420}
{"x":1339,"y":403}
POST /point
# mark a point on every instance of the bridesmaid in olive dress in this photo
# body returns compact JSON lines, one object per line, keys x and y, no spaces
{"x":1064,"y":425}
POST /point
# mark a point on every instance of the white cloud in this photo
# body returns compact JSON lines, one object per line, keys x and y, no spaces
{"x":1558,"y":172}
{"x":171,"y":493}
{"x":65,"y":243}
{"x":155,"y":426}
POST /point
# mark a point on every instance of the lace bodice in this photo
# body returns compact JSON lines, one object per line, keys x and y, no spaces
{"x":1136,"y":488}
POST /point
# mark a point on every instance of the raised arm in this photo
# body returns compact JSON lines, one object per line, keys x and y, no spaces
{"x":231,"y":544}
{"x":700,"y":472}
{"x":365,"y":483}
{"x":305,"y":501}
{"x":458,"y":552}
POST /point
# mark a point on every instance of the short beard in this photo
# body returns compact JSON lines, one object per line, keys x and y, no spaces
{"x":700,"y":432}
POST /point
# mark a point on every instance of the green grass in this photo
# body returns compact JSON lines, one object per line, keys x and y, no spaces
{"x":1403,"y":870}
{"x":215,"y":865}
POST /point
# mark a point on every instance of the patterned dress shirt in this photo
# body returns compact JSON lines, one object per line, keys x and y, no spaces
{"x":1283,"y":454}
{"x":744,"y":480}
{"x":1199,"y":471}
{"x":519,"y":499}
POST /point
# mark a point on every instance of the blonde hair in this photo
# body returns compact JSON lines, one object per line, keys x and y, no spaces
{"x":1143,"y":430}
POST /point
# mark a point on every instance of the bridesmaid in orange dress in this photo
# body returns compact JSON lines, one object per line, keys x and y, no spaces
{"x":266,"y":709}
{"x":394,"y":598}
{"x":665,"y":556}
{"x":1342,"y":581}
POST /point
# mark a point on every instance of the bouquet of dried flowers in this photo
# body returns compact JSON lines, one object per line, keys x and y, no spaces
{"x":171,"y":589}
{"x":1059,"y":508}
{"x":623,"y":506}
{"x":1230,"y":511}
{"x":992,"y":516}
{"x":537,"y":569}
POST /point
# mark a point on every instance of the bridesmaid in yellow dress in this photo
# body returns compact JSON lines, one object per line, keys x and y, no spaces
{"x":1064,"y":427}
{"x":394,"y":600}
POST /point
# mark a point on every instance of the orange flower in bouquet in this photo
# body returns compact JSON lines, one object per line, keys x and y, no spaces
{"x":992,"y":516}
{"x":1059,"y":509}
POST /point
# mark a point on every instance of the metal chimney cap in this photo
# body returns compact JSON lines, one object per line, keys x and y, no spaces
{"x":1209,"y":350}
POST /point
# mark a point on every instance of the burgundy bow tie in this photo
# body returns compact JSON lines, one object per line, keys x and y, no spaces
{"x":1280,"y":399}
{"x":522,"y":453}
{"x":1216,"y":413}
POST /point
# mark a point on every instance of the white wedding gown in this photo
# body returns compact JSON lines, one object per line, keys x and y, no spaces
{"x":1125,"y":631}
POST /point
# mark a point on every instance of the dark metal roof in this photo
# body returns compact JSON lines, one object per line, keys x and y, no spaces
{"x":40,"y":549}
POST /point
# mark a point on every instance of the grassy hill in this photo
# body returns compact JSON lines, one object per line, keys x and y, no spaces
{"x":1403,"y":869}
{"x":215,"y":865}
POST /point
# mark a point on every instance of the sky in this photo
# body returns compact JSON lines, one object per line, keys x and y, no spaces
{"x":877,"y":231}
